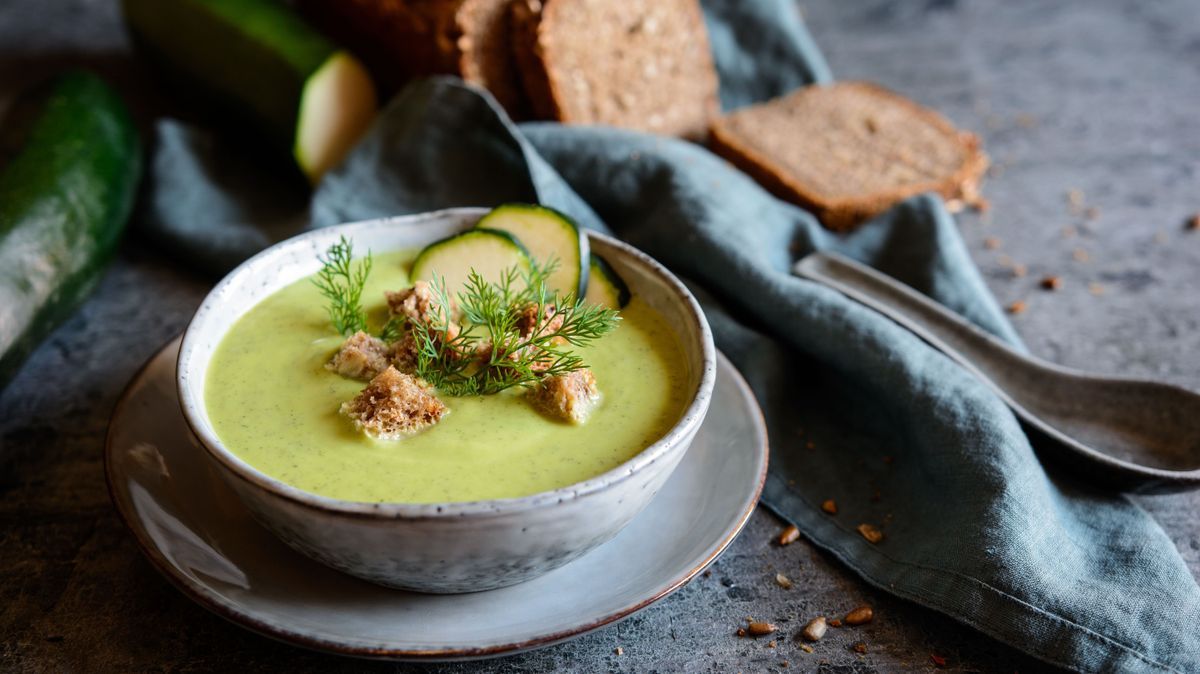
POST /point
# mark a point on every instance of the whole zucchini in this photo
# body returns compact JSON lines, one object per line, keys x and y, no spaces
{"x":70,"y":160}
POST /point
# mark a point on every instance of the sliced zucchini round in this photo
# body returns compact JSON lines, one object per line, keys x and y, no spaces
{"x":488,"y":252}
{"x":546,"y":234}
{"x":605,"y":288}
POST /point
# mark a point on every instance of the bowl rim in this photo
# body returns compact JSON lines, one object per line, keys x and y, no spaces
{"x":689,"y":420}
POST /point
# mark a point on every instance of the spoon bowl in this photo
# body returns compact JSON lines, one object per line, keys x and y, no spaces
{"x":1141,"y":435}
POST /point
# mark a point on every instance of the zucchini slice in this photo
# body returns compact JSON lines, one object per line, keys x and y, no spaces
{"x":487,"y":251}
{"x":605,"y":288}
{"x":546,"y":234}
{"x":257,"y":60}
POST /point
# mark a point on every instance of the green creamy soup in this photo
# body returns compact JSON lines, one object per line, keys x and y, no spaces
{"x":273,"y":403}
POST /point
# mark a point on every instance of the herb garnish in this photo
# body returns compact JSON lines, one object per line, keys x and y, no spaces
{"x":489,"y":354}
{"x":342,"y":284}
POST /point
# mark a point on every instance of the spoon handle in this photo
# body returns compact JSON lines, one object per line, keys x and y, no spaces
{"x":981,"y":353}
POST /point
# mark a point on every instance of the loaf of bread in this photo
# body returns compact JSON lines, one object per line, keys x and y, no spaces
{"x":849,"y":151}
{"x":403,"y":39}
{"x":640,"y":64}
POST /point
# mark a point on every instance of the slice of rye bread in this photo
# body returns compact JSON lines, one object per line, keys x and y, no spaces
{"x":403,"y":39}
{"x":848,"y":151}
{"x":639,"y":64}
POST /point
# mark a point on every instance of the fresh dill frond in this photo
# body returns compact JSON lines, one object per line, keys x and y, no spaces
{"x":341,"y":282}
{"x":489,"y":354}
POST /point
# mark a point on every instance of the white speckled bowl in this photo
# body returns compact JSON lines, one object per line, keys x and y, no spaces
{"x":448,"y":547}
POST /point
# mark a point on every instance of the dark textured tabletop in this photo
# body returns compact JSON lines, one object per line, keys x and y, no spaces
{"x":1091,"y":113}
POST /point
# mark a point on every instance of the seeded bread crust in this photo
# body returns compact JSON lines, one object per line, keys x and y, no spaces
{"x":405,"y":39}
{"x":849,"y":151}
{"x":639,"y":64}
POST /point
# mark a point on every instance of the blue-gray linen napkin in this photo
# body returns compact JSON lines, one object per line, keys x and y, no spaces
{"x":859,"y":410}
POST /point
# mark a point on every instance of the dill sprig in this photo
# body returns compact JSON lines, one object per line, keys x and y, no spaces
{"x":342,"y":282}
{"x":488,"y":354}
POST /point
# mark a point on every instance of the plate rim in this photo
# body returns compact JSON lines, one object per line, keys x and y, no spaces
{"x":205,"y":598}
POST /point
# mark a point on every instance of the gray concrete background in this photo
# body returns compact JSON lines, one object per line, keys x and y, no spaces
{"x":1100,"y":97}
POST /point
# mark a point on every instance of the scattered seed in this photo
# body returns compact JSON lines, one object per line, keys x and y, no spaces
{"x":937,"y":660}
{"x":991,"y":243}
{"x":829,"y":506}
{"x":1051,"y":283}
{"x":1019,"y":270}
{"x":1193,"y":223}
{"x":870,"y":532}
{"x":741,"y":631}
{"x":1017,"y":307}
{"x":835,"y":623}
{"x":860,"y":616}
{"x":760,"y":629}
{"x":806,"y":648}
{"x":1096,"y":289}
{"x":619,"y":651}
{"x":860,"y":648}
{"x":814,"y":629}
{"x":1075,"y":200}
{"x":783,"y":581}
{"x":1091,"y":212}
{"x":771,"y":644}
{"x":789,"y":535}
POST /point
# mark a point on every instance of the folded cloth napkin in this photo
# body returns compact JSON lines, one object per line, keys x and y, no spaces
{"x":859,"y":410}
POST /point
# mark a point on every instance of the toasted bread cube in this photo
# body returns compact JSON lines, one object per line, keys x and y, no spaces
{"x":393,"y":406}
{"x":569,"y":397}
{"x":361,"y":356}
{"x":528,"y":322}
{"x":418,"y":303}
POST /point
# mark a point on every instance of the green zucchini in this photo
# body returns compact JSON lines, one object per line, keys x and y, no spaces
{"x":259,"y":59}
{"x":70,"y":160}
{"x":488,"y":252}
{"x":605,"y":288}
{"x":548,"y":235}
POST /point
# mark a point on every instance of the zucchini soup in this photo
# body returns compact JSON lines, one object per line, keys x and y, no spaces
{"x":277,"y":395}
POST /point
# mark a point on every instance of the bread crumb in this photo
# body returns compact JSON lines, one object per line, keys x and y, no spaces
{"x":991,"y":243}
{"x":619,"y":651}
{"x":860,"y":616}
{"x":1017,"y":307}
{"x":1019,"y":270}
{"x":783,"y":581}
{"x":815,"y":629}
{"x":394,"y":405}
{"x":759,"y":629}
{"x":829,"y":506}
{"x":1075,"y":200}
{"x":1193,"y":223}
{"x":789,"y":535}
{"x":1051,"y":283}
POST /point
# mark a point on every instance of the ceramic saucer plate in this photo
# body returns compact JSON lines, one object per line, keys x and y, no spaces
{"x":196,"y":532}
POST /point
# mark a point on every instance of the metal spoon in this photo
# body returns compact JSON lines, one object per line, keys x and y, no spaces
{"x":1141,"y":435}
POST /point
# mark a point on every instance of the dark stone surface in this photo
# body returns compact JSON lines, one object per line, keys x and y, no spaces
{"x":1099,"y":97}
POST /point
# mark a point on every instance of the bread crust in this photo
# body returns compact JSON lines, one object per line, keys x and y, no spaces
{"x":845,"y":213}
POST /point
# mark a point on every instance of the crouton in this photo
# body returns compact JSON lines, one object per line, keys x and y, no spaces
{"x":418,"y":303}
{"x":394,"y":405}
{"x":569,"y":397}
{"x":404,"y":354}
{"x":528,"y":322}
{"x":361,"y":356}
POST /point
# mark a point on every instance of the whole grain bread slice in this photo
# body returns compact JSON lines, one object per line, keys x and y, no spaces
{"x":848,"y":151}
{"x":403,"y":39}
{"x":640,"y":64}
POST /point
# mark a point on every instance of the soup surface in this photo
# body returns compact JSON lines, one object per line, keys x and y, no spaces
{"x":272,"y":402}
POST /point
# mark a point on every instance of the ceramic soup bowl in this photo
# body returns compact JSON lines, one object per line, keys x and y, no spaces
{"x":446,"y":547}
